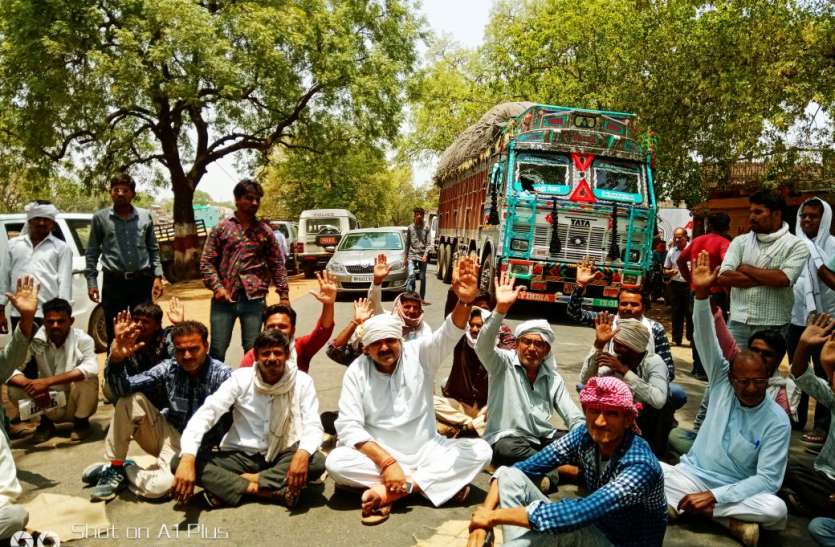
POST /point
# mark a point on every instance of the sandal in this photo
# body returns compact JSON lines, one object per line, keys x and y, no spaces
{"x":813,"y":437}
{"x":287,"y":497}
{"x":377,"y":516}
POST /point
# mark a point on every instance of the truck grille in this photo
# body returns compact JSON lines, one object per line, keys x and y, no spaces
{"x":359,"y":269}
{"x":576,"y":242}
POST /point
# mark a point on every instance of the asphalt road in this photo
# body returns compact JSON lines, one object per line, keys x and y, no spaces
{"x":324,"y":517}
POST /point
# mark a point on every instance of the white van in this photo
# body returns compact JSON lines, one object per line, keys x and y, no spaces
{"x":319,"y":233}
{"x":74,"y":229}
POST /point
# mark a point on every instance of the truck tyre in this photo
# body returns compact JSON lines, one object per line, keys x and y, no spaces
{"x":98,"y":329}
{"x":441,"y":261}
{"x":309,"y":270}
{"x":449,"y":259}
{"x":488,"y":272}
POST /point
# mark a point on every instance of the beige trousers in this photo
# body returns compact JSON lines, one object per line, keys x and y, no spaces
{"x":136,"y":418}
{"x":453,"y":412}
{"x":82,"y":401}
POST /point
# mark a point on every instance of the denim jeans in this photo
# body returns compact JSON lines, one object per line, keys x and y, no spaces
{"x":223,"y":315}
{"x":742,"y":332}
{"x":822,"y":530}
{"x":417,"y":270}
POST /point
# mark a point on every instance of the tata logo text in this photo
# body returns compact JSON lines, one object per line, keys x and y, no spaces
{"x":580,"y":222}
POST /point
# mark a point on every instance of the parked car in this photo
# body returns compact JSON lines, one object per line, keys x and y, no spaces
{"x":353,"y":261}
{"x":74,"y":229}
{"x":320,"y":231}
{"x":290,"y":230}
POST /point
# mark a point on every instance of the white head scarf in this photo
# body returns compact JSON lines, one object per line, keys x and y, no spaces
{"x":632,"y":334}
{"x":381,"y":327}
{"x":542,"y":328}
{"x":37,"y":210}
{"x":484,"y":314}
{"x":819,"y":249}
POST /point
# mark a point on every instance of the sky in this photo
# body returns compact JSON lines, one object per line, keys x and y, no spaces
{"x":463,"y":20}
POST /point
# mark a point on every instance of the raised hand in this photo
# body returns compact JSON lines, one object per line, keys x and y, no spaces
{"x":828,"y":356}
{"x":25,"y":297}
{"x":506,"y":294}
{"x":381,"y":269}
{"x":465,"y":284}
{"x":703,"y":278}
{"x":586,"y":272}
{"x":176,"y":311}
{"x":327,"y":288}
{"x":125,"y":343}
{"x":122,"y":324}
{"x":819,"y":327}
{"x":603,"y":331}
{"x":363,"y":310}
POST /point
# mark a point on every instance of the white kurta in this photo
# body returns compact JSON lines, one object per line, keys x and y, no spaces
{"x":396,"y":411}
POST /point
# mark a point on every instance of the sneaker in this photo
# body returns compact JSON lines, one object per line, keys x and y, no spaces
{"x":44,"y":432}
{"x":81,"y":429}
{"x":111,"y":481}
{"x":748,"y":533}
{"x":91,"y":474}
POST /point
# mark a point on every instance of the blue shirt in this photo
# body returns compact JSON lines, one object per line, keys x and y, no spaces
{"x":626,"y":498}
{"x":739,"y":451}
{"x":184,"y":393}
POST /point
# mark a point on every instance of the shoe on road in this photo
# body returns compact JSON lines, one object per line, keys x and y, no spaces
{"x":81,"y":430}
{"x":111,"y":481}
{"x":44,"y":432}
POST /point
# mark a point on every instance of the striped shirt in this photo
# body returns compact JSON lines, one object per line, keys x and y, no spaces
{"x":626,"y":498}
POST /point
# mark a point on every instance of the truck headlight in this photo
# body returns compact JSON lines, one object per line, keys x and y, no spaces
{"x":520,"y":245}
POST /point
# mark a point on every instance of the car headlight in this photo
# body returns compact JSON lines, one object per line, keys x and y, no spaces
{"x":336,"y":267}
{"x":397,"y":265}
{"x":520,"y":245}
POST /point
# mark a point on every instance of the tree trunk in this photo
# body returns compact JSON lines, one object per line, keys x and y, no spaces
{"x":186,"y":244}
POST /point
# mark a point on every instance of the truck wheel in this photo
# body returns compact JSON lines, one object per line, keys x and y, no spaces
{"x":488,"y":272}
{"x":449,"y":262}
{"x":98,"y":329}
{"x":309,"y":270}
{"x":441,"y":261}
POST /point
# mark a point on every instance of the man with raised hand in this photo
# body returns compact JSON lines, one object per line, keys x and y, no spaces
{"x":738,"y":460}
{"x":388,"y":442}
{"x":408,"y":306}
{"x":524,"y":387}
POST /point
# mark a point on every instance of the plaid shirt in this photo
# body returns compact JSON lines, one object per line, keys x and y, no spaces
{"x":626,"y":498}
{"x":184,"y":393}
{"x":659,"y":335}
{"x":243,"y":260}
{"x":159,"y":348}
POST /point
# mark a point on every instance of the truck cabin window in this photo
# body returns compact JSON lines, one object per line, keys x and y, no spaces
{"x":530,"y":174}
{"x":617,"y":178}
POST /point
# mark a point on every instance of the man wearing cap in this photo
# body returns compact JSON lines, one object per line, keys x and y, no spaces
{"x":388,"y":442}
{"x":417,"y":253}
{"x":738,"y":460}
{"x":524,"y":388}
{"x":39,"y":254}
{"x":625,"y":504}
{"x":645,"y":373}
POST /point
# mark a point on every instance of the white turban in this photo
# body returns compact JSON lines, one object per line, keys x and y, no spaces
{"x":633,"y":334}
{"x":37,"y":210}
{"x":536,"y":326}
{"x":380,"y":327}
{"x":485,"y":315}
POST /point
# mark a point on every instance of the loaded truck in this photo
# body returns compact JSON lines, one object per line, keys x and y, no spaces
{"x":534,"y":189}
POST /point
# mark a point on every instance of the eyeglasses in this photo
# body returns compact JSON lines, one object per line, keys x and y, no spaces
{"x":540,"y":345}
{"x":745,"y":382}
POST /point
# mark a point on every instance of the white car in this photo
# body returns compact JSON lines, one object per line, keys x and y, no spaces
{"x":353,"y":261}
{"x":319,"y":233}
{"x":74,"y":229}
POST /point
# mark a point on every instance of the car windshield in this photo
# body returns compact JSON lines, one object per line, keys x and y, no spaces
{"x":322,"y":225}
{"x":372,"y":241}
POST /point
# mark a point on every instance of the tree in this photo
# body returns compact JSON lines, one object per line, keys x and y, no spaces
{"x":102,"y":86}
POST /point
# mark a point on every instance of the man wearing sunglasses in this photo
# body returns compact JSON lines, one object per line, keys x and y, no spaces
{"x":737,"y":462}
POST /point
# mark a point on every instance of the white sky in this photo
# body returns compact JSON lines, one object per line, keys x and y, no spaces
{"x":463,"y":20}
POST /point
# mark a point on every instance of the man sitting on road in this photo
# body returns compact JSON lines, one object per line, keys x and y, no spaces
{"x":283,"y":319}
{"x":66,"y":359}
{"x":271,"y":449}
{"x":185,"y":380}
{"x":625,"y":502}
{"x":630,"y":306}
{"x":408,"y":306}
{"x":739,"y":457}
{"x":809,"y":489}
{"x":13,"y":517}
{"x":525,"y":388}
{"x":388,"y":442}
{"x":644,"y":373}
{"x":157,"y":347}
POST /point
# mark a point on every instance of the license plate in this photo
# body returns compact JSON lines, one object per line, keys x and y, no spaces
{"x":611,"y":292}
{"x":536,"y":296}
{"x":567,"y":288}
{"x":327,"y":240}
{"x":361,"y":278}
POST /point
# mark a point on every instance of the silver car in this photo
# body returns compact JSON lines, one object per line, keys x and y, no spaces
{"x":353,"y":261}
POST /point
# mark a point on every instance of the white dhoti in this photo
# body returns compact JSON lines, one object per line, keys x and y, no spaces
{"x":440,"y":468}
{"x":765,"y":509}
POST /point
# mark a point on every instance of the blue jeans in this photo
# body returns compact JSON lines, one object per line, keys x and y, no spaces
{"x":417,"y":270}
{"x":742,"y":332}
{"x":677,"y":396}
{"x":223,"y":315}
{"x":822,"y":530}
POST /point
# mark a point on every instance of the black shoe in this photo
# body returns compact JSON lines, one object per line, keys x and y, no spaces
{"x":81,"y":429}
{"x":44,"y":432}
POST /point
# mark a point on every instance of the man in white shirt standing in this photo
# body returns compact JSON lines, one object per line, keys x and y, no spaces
{"x":271,"y":450}
{"x":66,"y":359}
{"x":39,"y":254}
{"x":679,"y":289}
{"x":388,"y":442}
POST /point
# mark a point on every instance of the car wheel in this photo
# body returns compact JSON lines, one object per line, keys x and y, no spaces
{"x":98,"y":329}
{"x":441,"y":264}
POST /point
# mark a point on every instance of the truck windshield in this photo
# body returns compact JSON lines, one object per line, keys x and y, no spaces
{"x":377,"y":241}
{"x":535,"y":174}
{"x":617,"y":177}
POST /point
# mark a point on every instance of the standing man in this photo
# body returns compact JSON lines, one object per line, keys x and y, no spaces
{"x":417,"y":253}
{"x":760,"y":268}
{"x":679,"y":289}
{"x":37,"y":253}
{"x":814,"y":218}
{"x":123,"y":236}
{"x":240,"y":259}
